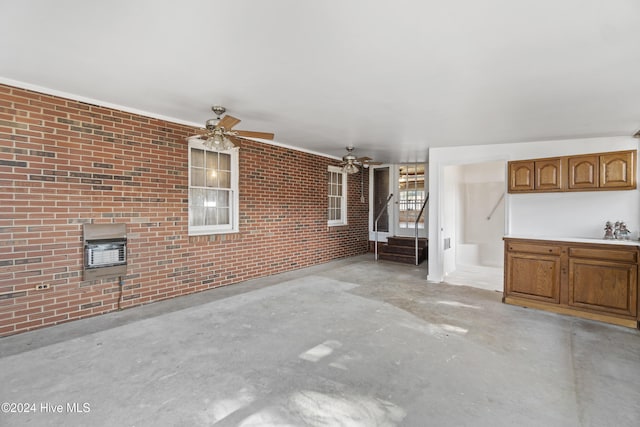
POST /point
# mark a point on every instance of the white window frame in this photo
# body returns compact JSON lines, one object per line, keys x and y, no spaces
{"x":234,"y":198}
{"x":343,"y":198}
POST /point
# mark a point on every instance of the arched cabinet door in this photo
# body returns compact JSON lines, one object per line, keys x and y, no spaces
{"x":583,"y":172}
{"x":617,"y":170}
{"x":521,"y":176}
{"x":548,"y":175}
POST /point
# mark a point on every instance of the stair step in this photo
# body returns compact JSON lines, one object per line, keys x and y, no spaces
{"x":406,"y":250}
{"x":406,"y":259}
{"x":407,"y":241}
{"x":403,"y":249}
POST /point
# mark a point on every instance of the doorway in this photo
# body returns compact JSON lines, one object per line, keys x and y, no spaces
{"x":474,"y":207}
{"x":380,"y":214}
{"x":411,"y":190}
{"x":408,"y":185}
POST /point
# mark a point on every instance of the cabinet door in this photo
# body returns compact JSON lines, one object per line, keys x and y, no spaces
{"x":548,"y":175}
{"x":604,"y":286}
{"x":521,"y":176}
{"x":583,"y":172}
{"x":533,"y":276}
{"x":617,"y":170}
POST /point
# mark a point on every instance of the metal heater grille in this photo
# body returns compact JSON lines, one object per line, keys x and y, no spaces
{"x":106,"y":254}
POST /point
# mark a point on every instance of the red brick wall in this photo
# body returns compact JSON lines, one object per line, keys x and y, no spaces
{"x":64,"y":163}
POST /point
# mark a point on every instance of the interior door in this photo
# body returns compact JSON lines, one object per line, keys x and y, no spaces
{"x":382,"y":187}
{"x":411,"y":192}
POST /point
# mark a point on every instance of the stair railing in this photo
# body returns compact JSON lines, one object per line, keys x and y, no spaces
{"x":375,"y":225}
{"x":415,"y":226}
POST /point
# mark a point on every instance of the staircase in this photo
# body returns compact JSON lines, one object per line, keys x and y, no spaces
{"x":403,"y":249}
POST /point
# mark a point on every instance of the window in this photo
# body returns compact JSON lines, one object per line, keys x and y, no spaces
{"x":411,"y":195}
{"x":213,"y":190}
{"x":337,"y":196}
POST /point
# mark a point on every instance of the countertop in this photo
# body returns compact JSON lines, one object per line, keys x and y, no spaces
{"x":575,"y":239}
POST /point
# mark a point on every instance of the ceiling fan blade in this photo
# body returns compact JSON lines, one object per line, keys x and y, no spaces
{"x":228,"y":122}
{"x":363,"y":159}
{"x":236,"y":141}
{"x":373,"y":163}
{"x":250,"y":134}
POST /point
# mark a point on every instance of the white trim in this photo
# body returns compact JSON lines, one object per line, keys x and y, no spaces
{"x":80,"y":98}
{"x":291,"y":147}
{"x":100,"y":103}
{"x":382,"y":235}
{"x":234,"y":227}
{"x":343,"y":198}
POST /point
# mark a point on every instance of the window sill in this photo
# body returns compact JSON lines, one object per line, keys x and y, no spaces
{"x":214,"y":237}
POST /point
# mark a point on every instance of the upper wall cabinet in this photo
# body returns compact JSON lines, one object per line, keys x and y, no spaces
{"x":521,"y":176}
{"x":617,"y":170}
{"x":583,"y":172}
{"x":589,"y":172}
{"x":548,"y":175}
{"x":528,"y":176}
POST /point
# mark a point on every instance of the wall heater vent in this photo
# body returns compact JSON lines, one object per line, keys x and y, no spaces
{"x":105,"y":250}
{"x":106,"y":254}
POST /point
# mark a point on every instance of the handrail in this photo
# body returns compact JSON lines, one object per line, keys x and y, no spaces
{"x":415,"y":226}
{"x":375,"y":225}
{"x":495,"y":207}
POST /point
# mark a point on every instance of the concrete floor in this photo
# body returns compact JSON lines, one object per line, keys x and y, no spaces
{"x":483,"y":277}
{"x":348,"y":343}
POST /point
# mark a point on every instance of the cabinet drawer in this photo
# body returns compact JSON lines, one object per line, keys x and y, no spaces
{"x":604,"y":254}
{"x":533,"y":248}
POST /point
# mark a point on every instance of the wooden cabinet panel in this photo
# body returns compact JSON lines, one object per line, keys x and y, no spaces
{"x":521,"y":176}
{"x":533,"y":248}
{"x":533,"y":276}
{"x":583,"y":172}
{"x":604,"y":254}
{"x":617,"y":170}
{"x":591,"y":280}
{"x":603,"y":286}
{"x":548,"y":175}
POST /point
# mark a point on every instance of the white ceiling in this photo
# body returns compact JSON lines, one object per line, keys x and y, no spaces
{"x":392,"y":78}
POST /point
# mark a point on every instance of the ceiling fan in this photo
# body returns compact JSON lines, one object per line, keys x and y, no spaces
{"x":351,"y":162}
{"x":218,"y":133}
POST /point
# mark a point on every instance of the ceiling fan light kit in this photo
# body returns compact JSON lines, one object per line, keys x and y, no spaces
{"x":218,"y":135}
{"x":351,"y":162}
{"x":350,"y":168}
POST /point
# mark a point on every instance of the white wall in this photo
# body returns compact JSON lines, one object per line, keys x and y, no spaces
{"x":450,"y":220}
{"x":480,"y":236}
{"x":568,"y":214}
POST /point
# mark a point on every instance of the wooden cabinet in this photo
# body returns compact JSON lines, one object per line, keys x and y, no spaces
{"x":535,"y":175}
{"x":534,"y":276}
{"x":589,"y":172}
{"x":593,"y":280}
{"x":604,"y":279}
{"x":548,"y":175}
{"x":521,"y":176}
{"x":603,"y":286}
{"x":617,"y":170}
{"x":583,"y":172}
